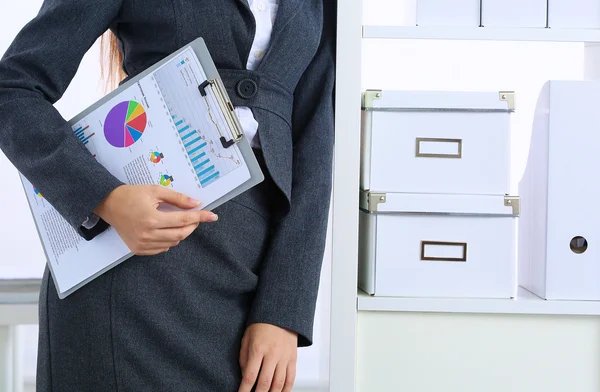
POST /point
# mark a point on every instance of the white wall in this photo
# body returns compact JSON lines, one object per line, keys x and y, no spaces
{"x":25,"y":258}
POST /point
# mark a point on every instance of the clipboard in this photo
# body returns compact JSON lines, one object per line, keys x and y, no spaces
{"x":214,"y":82}
{"x":230,"y":134}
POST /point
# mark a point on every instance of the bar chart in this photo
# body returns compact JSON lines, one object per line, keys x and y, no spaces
{"x":199,"y":152}
{"x":191,"y":118}
{"x":82,"y":135}
{"x":85,"y":134}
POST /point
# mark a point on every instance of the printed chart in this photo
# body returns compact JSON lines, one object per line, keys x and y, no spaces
{"x":156,"y":156}
{"x":199,"y":151}
{"x":166,"y":179}
{"x":196,"y":126}
{"x":85,"y":134}
{"x":82,"y":134}
{"x":125,"y":124}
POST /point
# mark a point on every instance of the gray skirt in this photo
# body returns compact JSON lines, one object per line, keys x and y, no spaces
{"x":171,"y":322}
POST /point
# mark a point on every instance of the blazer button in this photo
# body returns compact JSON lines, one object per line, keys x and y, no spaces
{"x":247,"y":88}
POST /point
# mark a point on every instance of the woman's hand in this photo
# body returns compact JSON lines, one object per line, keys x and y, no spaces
{"x":272,"y":351}
{"x":132,"y":210}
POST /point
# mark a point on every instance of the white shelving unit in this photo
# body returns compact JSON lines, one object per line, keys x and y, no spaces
{"x":482,"y":33}
{"x":344,"y":240}
{"x":524,"y":303}
{"x":346,"y":302}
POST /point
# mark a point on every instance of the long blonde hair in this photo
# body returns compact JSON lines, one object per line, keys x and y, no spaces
{"x":111,"y":61}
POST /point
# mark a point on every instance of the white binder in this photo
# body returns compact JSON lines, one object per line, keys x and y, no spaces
{"x":559,"y":234}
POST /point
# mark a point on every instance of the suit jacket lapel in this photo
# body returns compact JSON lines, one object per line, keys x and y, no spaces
{"x":287,"y":9}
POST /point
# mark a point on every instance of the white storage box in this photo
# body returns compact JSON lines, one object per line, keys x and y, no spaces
{"x":436,"y":142}
{"x":575,"y":14}
{"x":559,"y":230}
{"x":448,"y":13}
{"x":418,"y":245}
{"x":514,"y":13}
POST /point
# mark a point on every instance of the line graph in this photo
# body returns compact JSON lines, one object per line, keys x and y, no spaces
{"x":195,"y":124}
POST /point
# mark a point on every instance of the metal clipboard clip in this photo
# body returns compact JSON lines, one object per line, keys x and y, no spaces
{"x":226,"y":108}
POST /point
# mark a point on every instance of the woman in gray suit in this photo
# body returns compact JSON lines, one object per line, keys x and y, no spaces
{"x":206,"y":304}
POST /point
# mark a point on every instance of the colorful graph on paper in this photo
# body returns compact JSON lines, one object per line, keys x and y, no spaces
{"x":156,"y":156}
{"x":200,"y":137}
{"x":83,"y":134}
{"x":165,"y":179}
{"x":125,"y":124}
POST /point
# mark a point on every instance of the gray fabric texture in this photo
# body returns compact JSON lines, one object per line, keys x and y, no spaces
{"x":173,"y":322}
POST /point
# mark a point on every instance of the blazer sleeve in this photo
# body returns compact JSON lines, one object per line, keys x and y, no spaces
{"x":289,"y":279}
{"x":35,"y":71}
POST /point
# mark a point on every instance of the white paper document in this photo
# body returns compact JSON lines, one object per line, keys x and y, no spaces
{"x":160,"y":130}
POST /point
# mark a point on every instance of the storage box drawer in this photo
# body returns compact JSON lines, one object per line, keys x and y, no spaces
{"x":514,"y":13}
{"x":576,"y":14}
{"x":448,"y":13}
{"x":464,"y":247}
{"x":436,"y":142}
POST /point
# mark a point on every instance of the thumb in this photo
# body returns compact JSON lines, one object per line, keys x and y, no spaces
{"x":175,"y":198}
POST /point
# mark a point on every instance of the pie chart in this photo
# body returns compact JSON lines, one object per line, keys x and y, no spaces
{"x":125,"y":124}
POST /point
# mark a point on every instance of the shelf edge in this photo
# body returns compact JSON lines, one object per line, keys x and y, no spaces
{"x":481,"y":33}
{"x":525,"y":303}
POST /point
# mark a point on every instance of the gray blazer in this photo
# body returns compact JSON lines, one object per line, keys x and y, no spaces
{"x":291,"y":95}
